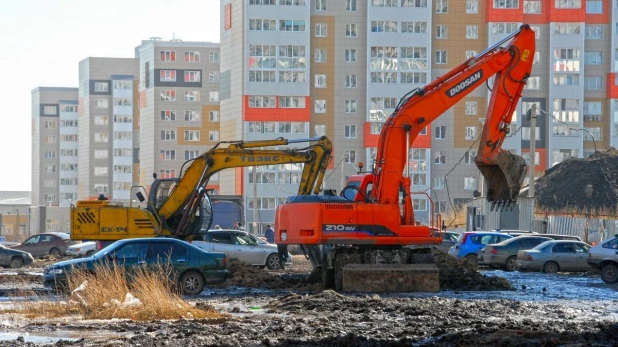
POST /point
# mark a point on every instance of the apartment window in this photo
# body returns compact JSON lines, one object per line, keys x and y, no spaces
{"x":192,"y":116}
{"x":101,"y":103}
{"x":384,"y":26}
{"x":68,"y":108}
{"x":167,"y":173}
{"x":262,"y":57}
{"x":350,"y":156}
{"x":472,"y":6}
{"x":192,"y":96}
{"x":504,"y":28}
{"x":593,"y":108}
{"x":567,"y":28}
{"x":469,"y":183}
{"x":213,"y":116}
{"x":440,"y":132}
{"x":593,"y":58}
{"x":537,"y":58}
{"x":441,"y":6}
{"x":167,"y":75}
{"x":122,"y":152}
{"x":192,"y":135}
{"x":594,"y":6}
{"x":262,"y":102}
{"x":292,"y":2}
{"x":533,"y":83}
{"x":50,"y":168}
{"x":100,"y":171}
{"x":350,"y":131}
{"x":262,"y":24}
{"x":319,"y":55}
{"x":350,"y":30}
{"x":566,"y":79}
{"x":50,"y":124}
{"x":320,"y":81}
{"x":212,"y":96}
{"x":568,"y":4}
{"x":319,"y":130}
{"x":350,"y":106}
{"x":470,"y":133}
{"x":299,"y":128}
{"x":350,"y":81}
{"x":168,"y":154}
{"x":441,"y":57}
{"x":291,"y":57}
{"x":122,"y":135}
{"x":213,"y":57}
{"x":320,"y":5}
{"x":419,"y":204}
{"x":414,"y":27}
{"x":101,"y":137}
{"x":50,"y":226}
{"x":413,"y":77}
{"x":525,"y":133}
{"x":213,"y":77}
{"x":101,"y":154}
{"x":351,"y":5}
{"x":594,"y":32}
{"x":470,"y":54}
{"x":292,"y":102}
{"x":566,"y":110}
{"x":350,"y":56}
{"x":441,"y":31}
{"x":592,"y":134}
{"x":49,"y":139}
{"x":413,"y":3}
{"x":292,"y":25}
{"x":168,"y":95}
{"x":472,"y":32}
{"x":506,"y":3}
{"x":213,"y":135}
{"x":321,"y":29}
{"x":593,"y":83}
{"x":168,"y":115}
{"x":439,"y":183}
{"x":50,"y":154}
{"x":193,"y":76}
{"x":471,"y":107}
{"x":192,"y":56}
{"x":439,"y":158}
{"x":191,"y":154}
{"x":168,"y":56}
{"x":532,"y":7}
{"x":320,"y":106}
{"x":168,"y":135}
{"x":101,"y":87}
{"x":376,"y":128}
{"x":469,"y":157}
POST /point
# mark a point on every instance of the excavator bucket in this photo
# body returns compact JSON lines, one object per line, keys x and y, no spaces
{"x":504,"y":177}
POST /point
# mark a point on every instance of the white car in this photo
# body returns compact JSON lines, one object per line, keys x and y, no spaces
{"x":84,"y":249}
{"x":241,"y":245}
{"x":604,"y":257}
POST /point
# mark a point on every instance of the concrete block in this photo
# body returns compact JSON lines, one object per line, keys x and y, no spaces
{"x":391,"y":278}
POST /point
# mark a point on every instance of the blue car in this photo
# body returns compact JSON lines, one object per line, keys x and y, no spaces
{"x":470,"y":243}
{"x":192,"y":267}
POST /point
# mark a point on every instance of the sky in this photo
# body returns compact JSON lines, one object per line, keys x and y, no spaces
{"x":43,"y":41}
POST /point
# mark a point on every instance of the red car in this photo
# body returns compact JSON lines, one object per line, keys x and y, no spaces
{"x":50,"y":243}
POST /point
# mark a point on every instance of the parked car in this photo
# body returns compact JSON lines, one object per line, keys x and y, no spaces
{"x":604,"y":257}
{"x":82,"y":249}
{"x":560,"y":237}
{"x":241,"y":245}
{"x":555,"y":255}
{"x":14,"y":258}
{"x":504,"y":254}
{"x":515,"y":232}
{"x":470,"y":243}
{"x":49,"y":243}
{"x":192,"y":267}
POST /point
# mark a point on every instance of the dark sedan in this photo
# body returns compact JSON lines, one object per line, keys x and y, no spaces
{"x":14,"y":258}
{"x":50,"y":243}
{"x":192,"y":266}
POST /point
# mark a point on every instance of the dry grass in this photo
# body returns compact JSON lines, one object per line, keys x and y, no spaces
{"x":104,"y":294}
{"x":455,"y":218}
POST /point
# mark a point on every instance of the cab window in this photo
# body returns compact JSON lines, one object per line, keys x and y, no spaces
{"x":244,"y":240}
{"x":613,"y":244}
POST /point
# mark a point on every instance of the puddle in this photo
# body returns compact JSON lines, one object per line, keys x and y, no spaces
{"x":55,"y":336}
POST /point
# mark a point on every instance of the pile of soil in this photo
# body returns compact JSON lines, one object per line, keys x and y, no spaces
{"x":457,"y":275}
{"x":245,"y":275}
{"x":576,"y":184}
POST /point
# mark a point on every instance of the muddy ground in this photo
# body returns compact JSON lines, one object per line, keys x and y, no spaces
{"x":537,"y":310}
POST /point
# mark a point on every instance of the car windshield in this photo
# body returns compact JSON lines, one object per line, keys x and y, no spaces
{"x":63,"y":236}
{"x":244,"y":239}
{"x":256,"y":239}
{"x":544,"y":245}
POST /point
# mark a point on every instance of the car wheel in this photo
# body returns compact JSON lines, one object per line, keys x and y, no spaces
{"x":16,"y":263}
{"x":472,"y":260}
{"x":55,"y":252}
{"x":511,"y":263}
{"x":550,"y":267}
{"x":609,"y":274}
{"x":192,"y":283}
{"x":272,"y":262}
{"x":89,"y":253}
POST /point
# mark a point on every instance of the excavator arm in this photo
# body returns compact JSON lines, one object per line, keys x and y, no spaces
{"x":511,"y":65}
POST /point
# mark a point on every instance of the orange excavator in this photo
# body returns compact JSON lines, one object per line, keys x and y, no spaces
{"x":371,"y":223}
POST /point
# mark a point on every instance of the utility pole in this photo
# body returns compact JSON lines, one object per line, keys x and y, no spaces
{"x":255,"y":201}
{"x":342,"y":174}
{"x":532,"y":155}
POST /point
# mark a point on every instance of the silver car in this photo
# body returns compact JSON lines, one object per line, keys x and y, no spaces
{"x":241,"y":245}
{"x":555,"y":255}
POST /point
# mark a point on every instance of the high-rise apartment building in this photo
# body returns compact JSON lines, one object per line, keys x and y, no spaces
{"x":108,"y":127}
{"x":179,"y":105}
{"x":296,"y":68}
{"x":54,"y":146}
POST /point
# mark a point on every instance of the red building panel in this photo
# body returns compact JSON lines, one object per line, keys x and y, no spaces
{"x":142,"y":99}
{"x":276,"y":113}
{"x":566,"y":15}
{"x":502,"y":14}
{"x":542,"y":158}
{"x":612,"y":88}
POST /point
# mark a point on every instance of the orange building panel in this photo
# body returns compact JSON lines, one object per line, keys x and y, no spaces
{"x":612,"y":88}
{"x":566,"y":15}
{"x":504,"y":14}
{"x":142,"y":99}
{"x":542,"y":159}
{"x":239,"y":187}
{"x":276,"y":114}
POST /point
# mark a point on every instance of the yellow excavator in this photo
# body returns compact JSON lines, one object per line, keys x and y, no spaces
{"x":180,"y":207}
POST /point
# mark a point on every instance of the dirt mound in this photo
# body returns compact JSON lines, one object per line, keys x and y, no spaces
{"x":245,"y":275}
{"x":581,"y":184}
{"x":456,"y":275}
